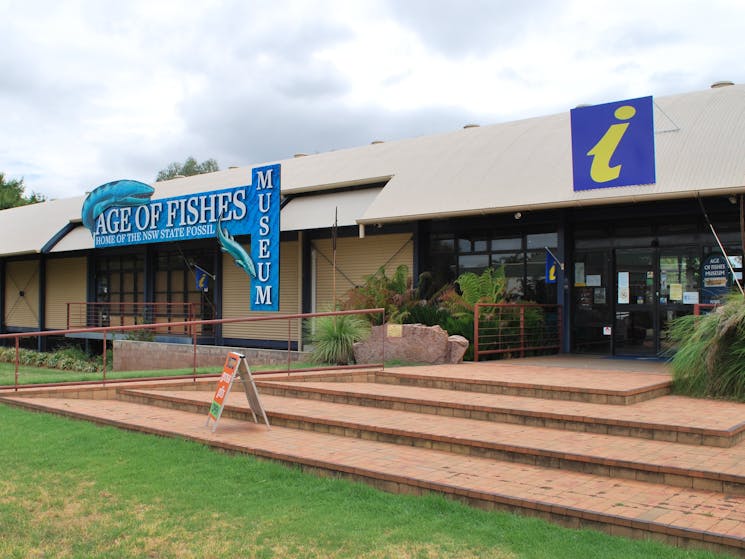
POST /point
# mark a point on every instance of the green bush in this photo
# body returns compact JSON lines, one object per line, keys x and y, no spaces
{"x":142,"y":335}
{"x":428,"y":314}
{"x":709,"y":359}
{"x":333,"y":338}
{"x":451,"y":307}
{"x":66,"y":359}
{"x":395,"y":294}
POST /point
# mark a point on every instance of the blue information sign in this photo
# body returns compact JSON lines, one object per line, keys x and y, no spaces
{"x":613,"y":144}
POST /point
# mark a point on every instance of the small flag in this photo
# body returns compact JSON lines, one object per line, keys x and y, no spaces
{"x":201,"y":279}
{"x":551,"y":266}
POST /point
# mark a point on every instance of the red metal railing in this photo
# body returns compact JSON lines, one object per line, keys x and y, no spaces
{"x":85,"y":315}
{"x":515,"y":328}
{"x":705,"y":307}
{"x":193,"y":326}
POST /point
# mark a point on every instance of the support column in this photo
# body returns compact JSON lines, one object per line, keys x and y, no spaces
{"x":217,"y":298}
{"x":42,"y":340}
{"x":562,"y":279}
{"x":2,"y":296}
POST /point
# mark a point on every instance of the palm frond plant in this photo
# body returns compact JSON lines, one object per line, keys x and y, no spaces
{"x":487,"y":287}
{"x":402,"y":301}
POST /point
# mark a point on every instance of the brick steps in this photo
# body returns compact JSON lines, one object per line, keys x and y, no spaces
{"x":592,"y":386}
{"x":622,"y":507}
{"x":526,"y":388}
{"x":585,"y":448}
{"x":669,"y":418}
{"x":714,"y":469}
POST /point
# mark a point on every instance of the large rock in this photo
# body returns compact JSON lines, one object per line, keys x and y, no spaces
{"x":412,"y":343}
{"x":457,"y":347}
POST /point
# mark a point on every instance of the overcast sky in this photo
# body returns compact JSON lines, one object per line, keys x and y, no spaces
{"x":97,"y":90}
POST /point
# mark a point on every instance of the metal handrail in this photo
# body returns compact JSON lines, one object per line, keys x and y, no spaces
{"x":94,"y":313}
{"x":191,"y":325}
{"x":516,"y":342}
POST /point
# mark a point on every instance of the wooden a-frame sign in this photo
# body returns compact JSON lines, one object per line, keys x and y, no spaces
{"x":230,"y":371}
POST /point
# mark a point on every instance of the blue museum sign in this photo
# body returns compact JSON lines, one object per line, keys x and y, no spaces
{"x":715,"y":279}
{"x":613,"y":144}
{"x":122,"y":213}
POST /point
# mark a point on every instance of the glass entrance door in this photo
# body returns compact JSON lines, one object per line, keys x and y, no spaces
{"x":591,"y":302}
{"x":637,"y":292}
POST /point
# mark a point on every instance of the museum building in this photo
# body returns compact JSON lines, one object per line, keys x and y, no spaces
{"x":614,"y":212}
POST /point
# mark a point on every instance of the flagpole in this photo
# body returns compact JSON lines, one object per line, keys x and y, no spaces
{"x":333,"y":249}
{"x":205,"y":272}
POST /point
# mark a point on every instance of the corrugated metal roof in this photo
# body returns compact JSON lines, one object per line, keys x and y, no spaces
{"x":27,"y":229}
{"x":527,"y":164}
{"x":317,"y":211}
{"x":78,"y":238}
{"x":504,"y":167}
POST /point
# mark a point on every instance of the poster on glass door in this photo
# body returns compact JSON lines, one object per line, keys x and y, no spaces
{"x":623,"y":288}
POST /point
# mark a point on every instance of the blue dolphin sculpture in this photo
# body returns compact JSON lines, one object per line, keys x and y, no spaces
{"x":229,"y":245}
{"x":116,"y":193}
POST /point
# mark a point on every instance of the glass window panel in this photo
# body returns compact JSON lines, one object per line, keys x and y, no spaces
{"x":444,"y":268}
{"x":638,"y":264}
{"x":499,"y":258}
{"x":472,"y":245}
{"x":480,"y":245}
{"x":542,"y":240}
{"x":475,"y":263}
{"x":679,"y":272}
{"x":515,"y":243}
{"x":443,"y":244}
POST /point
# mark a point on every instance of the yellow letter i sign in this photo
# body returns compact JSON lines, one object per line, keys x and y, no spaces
{"x":230,"y":371}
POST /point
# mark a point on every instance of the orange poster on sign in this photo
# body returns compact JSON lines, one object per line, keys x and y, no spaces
{"x":223,"y":386}
{"x":230,"y":372}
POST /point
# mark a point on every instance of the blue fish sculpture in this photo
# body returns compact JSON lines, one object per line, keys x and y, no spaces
{"x":229,"y":245}
{"x":114,"y":194}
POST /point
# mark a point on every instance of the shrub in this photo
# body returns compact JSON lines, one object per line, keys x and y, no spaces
{"x":489,"y":287}
{"x":67,"y":359}
{"x":141,"y":335}
{"x":396,"y":294}
{"x":710,"y":354}
{"x":333,"y":338}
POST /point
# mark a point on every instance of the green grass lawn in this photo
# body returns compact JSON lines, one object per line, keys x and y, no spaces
{"x":70,"y":489}
{"x":39,"y":375}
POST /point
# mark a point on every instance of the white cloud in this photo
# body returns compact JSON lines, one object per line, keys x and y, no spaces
{"x":92,"y":91}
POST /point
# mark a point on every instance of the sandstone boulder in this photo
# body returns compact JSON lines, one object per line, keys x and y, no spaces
{"x":457,"y":347}
{"x":412,"y":343}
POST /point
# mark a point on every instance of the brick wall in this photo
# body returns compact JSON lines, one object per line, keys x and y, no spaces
{"x":144,"y":356}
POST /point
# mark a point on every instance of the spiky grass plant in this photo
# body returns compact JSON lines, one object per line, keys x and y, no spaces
{"x":333,"y":338}
{"x":710,"y":356}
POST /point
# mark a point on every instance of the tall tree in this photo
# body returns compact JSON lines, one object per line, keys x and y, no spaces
{"x":187,"y":168}
{"x":12,"y":194}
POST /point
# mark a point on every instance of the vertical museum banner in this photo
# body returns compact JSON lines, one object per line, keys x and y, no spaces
{"x":264,"y":203}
